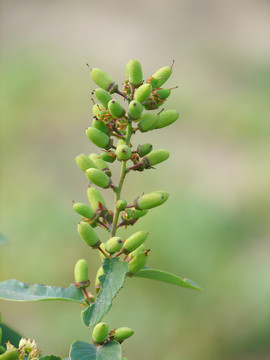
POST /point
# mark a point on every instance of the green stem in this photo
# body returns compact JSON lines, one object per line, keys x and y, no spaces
{"x":118,"y":189}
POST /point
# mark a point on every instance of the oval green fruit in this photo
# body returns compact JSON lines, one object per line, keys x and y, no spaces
{"x":84,"y":210}
{"x":100,"y":272}
{"x":96,"y":109}
{"x":154,"y":158}
{"x":134,"y":241}
{"x":100,"y":333}
{"x":98,"y":138}
{"x":144,"y":149}
{"x":113,"y":245}
{"x":148,"y":122}
{"x":123,"y":152}
{"x":103,"y":96}
{"x":135,"y":73}
{"x":100,"y":164}
{"x":161,"y":76}
{"x":95,"y":199}
{"x":88,"y":235}
{"x":121,"y":204}
{"x":108,"y":156}
{"x":2,"y":349}
{"x":103,"y":80}
{"x":122,"y":334}
{"x":100,"y":125}
{"x":163,"y":94}
{"x":151,"y":200}
{"x":137,"y":263}
{"x":10,"y":354}
{"x":84,"y":162}
{"x":98,"y":178}
{"x":166,"y":118}
{"x":116,"y":109}
{"x":81,"y":274}
{"x":135,"y":109}
{"x":143,"y":92}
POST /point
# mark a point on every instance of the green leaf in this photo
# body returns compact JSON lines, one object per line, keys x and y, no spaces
{"x":15,"y":290}
{"x":82,"y":351}
{"x":111,"y":282}
{"x":9,"y":334}
{"x":167,"y":277}
{"x":49,"y":357}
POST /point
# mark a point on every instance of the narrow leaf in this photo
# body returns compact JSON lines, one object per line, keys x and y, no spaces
{"x":15,"y":290}
{"x":84,"y":351}
{"x":167,"y":277}
{"x":9,"y":334}
{"x":111,"y":282}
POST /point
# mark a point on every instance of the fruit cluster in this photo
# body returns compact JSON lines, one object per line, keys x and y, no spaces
{"x":111,"y":130}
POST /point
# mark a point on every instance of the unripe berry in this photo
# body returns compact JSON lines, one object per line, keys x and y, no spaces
{"x":134,"y":241}
{"x":95,"y":198}
{"x":88,"y":235}
{"x":144,"y":149}
{"x":155,"y":157}
{"x":123,"y":151}
{"x":132,"y":214}
{"x":100,"y":333}
{"x":137,"y":263}
{"x":100,"y":272}
{"x":143,"y":92}
{"x":161,"y":76}
{"x":2,"y":349}
{"x":113,"y":245}
{"x":103,"y":80}
{"x":135,"y":73}
{"x":135,"y":109}
{"x":96,"y":109}
{"x":148,"y":122}
{"x":166,"y":118}
{"x":108,"y":156}
{"x":103,"y":96}
{"x":163,"y":94}
{"x":122,"y":334}
{"x":116,"y":110}
{"x":10,"y":354}
{"x":84,"y":210}
{"x":81,"y":274}
{"x":98,"y":178}
{"x":84,"y":162}
{"x":139,"y":249}
{"x":100,"y":164}
{"x":121,"y":205}
{"x":98,"y":138}
{"x":151,"y":200}
{"x":100,"y":125}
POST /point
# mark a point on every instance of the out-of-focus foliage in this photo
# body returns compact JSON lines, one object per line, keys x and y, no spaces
{"x":214,"y":228}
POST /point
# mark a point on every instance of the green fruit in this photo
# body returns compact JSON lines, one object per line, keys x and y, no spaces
{"x":133,"y":214}
{"x":98,"y":138}
{"x":148,"y":122}
{"x":163,"y":94}
{"x":100,"y":272}
{"x":121,"y":205}
{"x":151,"y":200}
{"x":10,"y":354}
{"x":103,"y":80}
{"x":100,"y":333}
{"x":150,"y":104}
{"x":2,"y":349}
{"x":108,"y":156}
{"x":84,"y":210}
{"x":103,"y":96}
{"x":134,"y":241}
{"x":137,"y":263}
{"x":123,"y":151}
{"x":154,"y":158}
{"x":161,"y":76}
{"x":98,"y":178}
{"x":96,"y":109}
{"x":95,"y":199}
{"x":122,"y":334}
{"x":116,"y":110}
{"x":113,"y":245}
{"x":84,"y":162}
{"x":166,"y":118}
{"x":143,"y":92}
{"x":144,"y":149}
{"x":100,"y":164}
{"x":135,"y":109}
{"x":81,"y":274}
{"x":139,"y":249}
{"x":100,"y":125}
{"x":135,"y":73}
{"x":88,"y":235}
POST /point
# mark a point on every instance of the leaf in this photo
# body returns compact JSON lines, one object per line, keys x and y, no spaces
{"x":167,"y":277}
{"x":49,"y":357}
{"x":111,"y":282}
{"x":82,"y":351}
{"x":9,"y":334}
{"x":15,"y":290}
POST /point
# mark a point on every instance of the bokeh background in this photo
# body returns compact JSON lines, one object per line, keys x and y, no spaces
{"x":215,"y":227}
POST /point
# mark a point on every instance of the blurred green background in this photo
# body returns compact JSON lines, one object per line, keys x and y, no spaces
{"x":215,"y":227}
